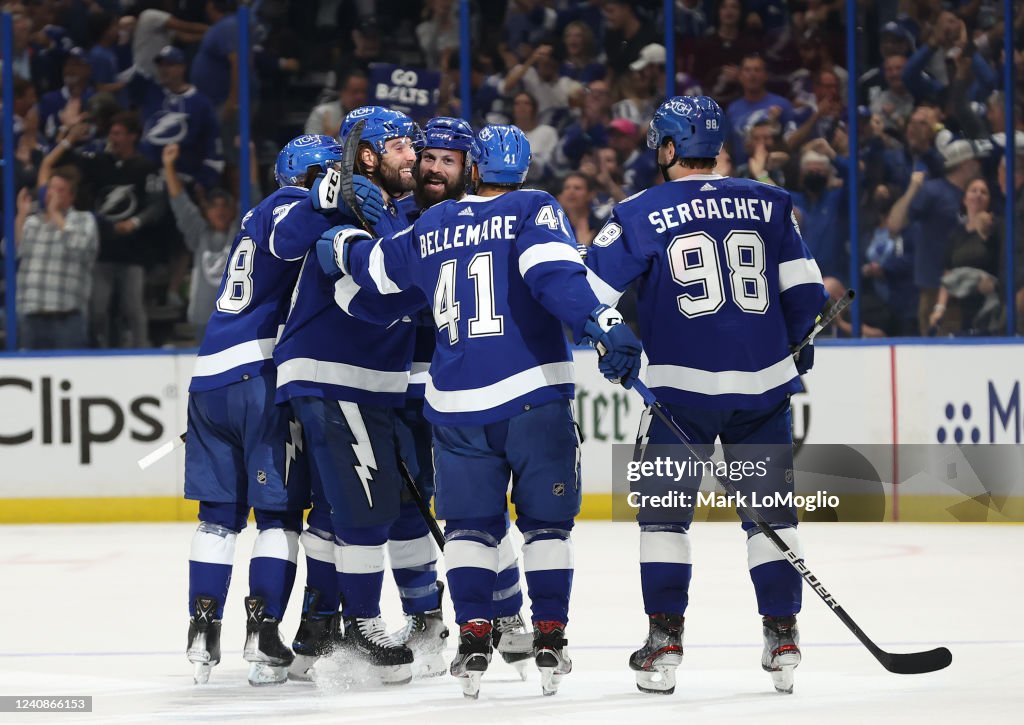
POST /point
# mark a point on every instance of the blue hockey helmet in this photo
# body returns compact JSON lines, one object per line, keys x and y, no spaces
{"x":695,"y":124}
{"x":382,"y":125}
{"x":445,"y":132}
{"x":302,"y":152}
{"x":501,"y":154}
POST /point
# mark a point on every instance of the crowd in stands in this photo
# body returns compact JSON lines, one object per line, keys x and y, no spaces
{"x":126,"y":135}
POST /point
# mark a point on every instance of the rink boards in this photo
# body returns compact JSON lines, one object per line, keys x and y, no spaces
{"x":73,"y":427}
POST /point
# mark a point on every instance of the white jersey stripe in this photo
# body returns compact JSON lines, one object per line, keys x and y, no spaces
{"x":420,"y":373}
{"x":379,"y":273}
{"x":333,"y":373}
{"x":726,"y":382}
{"x":547,"y":252}
{"x":798,"y":271}
{"x":604,"y":292}
{"x":345,"y":290}
{"x":240,"y":354}
{"x":501,"y":392}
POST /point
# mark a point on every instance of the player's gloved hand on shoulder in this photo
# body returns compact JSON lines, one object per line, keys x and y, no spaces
{"x":618,"y":347}
{"x":326,"y":195}
{"x":332,"y":248}
{"x":805,"y":359}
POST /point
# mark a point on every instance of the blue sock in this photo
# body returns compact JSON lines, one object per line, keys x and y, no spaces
{"x":321,"y":573}
{"x":361,"y":570}
{"x":665,"y":568}
{"x":413,"y":561}
{"x":778,"y":586}
{"x":209,"y":566}
{"x":508,"y":595}
{"x":272,"y":569}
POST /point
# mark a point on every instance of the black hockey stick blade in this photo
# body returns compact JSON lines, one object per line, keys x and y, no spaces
{"x":915,"y":663}
{"x":348,"y":165}
{"x":421,"y":504}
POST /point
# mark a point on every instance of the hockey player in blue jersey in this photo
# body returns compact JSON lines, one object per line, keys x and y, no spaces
{"x":501,"y":273}
{"x":440,"y":175}
{"x":344,"y":378}
{"x":726,"y":287}
{"x":243,"y":451}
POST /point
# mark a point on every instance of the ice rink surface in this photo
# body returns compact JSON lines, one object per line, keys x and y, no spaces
{"x":100,"y":610}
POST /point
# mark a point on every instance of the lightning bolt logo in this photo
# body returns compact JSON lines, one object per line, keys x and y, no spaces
{"x":293,"y":445}
{"x":366,"y":464}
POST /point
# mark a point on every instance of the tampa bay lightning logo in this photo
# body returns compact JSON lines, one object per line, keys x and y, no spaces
{"x":796,"y":226}
{"x":117,"y":203}
{"x":212,"y":263}
{"x":166,"y":127}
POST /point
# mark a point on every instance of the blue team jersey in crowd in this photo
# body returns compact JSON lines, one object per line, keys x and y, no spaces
{"x":255,"y":291}
{"x":500,"y":275}
{"x":325,"y":351}
{"x":423,"y":349}
{"x":725,"y":286}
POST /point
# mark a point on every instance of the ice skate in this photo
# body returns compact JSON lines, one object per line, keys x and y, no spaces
{"x":513,"y":642}
{"x":203,"y":639}
{"x":267,"y":655}
{"x":426,"y":634}
{"x":781,"y":651}
{"x":367,"y":640}
{"x":318,"y":636}
{"x":549,"y":653}
{"x":473,"y":657}
{"x":656,"y":661}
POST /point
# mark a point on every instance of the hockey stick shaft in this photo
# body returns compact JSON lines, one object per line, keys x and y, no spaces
{"x":165,"y":449}
{"x":421,"y":504}
{"x":837,"y":309}
{"x":913,"y":663}
{"x":349,"y":153}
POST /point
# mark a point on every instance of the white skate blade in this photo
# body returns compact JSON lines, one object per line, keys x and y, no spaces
{"x":301,"y":668}
{"x":432,"y":665}
{"x":201,"y":673}
{"x":549,"y":680}
{"x":260,"y":674}
{"x":783,"y":679}
{"x":393,"y":674}
{"x":660,"y":680}
{"x":522,"y":667}
{"x":470,"y":683}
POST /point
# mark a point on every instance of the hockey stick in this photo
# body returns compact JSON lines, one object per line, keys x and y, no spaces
{"x":348,"y":168}
{"x":165,"y":449}
{"x":421,"y":504}
{"x":841,"y":304}
{"x":912,"y":663}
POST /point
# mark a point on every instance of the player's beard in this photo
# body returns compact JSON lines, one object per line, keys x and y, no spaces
{"x":427,"y":196}
{"x":393,"y":181}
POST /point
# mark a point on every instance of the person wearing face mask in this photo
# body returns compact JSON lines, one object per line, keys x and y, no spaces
{"x":822,"y":206}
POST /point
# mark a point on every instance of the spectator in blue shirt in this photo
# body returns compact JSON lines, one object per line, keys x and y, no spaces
{"x":63,"y":108}
{"x":102,"y":58}
{"x":215,"y":67}
{"x":927,"y":214}
{"x":754,"y":104}
{"x":822,"y":203}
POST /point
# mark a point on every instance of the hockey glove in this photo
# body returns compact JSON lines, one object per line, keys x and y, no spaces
{"x":332,"y":249}
{"x":805,"y":359}
{"x":618,"y":347}
{"x":326,"y":196}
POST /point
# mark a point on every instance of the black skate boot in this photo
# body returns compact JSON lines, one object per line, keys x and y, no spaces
{"x":513,"y":642}
{"x":781,"y":650}
{"x":367,"y":640}
{"x":549,"y":653}
{"x":318,"y":636}
{"x":267,"y":655}
{"x":425,"y":634}
{"x":203,"y":639}
{"x":474,"y":655}
{"x":656,"y":661}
